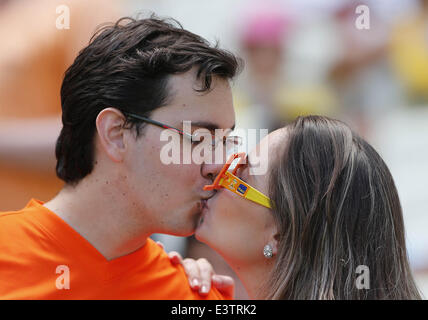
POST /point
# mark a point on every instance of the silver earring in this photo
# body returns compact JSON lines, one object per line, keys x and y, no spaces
{"x":268,"y":251}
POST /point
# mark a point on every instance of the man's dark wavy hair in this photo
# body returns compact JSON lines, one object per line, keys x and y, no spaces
{"x":127,"y":66}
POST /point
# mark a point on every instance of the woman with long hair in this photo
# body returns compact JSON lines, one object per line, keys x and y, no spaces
{"x":324,"y":222}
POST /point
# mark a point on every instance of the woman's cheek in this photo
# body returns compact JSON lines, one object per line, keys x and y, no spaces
{"x":229,"y":203}
{"x":221,"y":211}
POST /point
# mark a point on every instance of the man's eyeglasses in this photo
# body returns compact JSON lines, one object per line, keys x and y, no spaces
{"x":228,"y":180}
{"x":229,"y":142}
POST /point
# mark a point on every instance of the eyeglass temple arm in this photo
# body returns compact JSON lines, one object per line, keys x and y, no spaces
{"x":159,"y":124}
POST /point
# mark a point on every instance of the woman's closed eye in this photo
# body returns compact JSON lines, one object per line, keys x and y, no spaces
{"x":241,"y":173}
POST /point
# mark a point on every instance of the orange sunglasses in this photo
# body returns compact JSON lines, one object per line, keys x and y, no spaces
{"x":228,"y":180}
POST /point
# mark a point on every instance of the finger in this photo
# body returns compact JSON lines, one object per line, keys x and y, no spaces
{"x":192,"y":270}
{"x":224,"y":284}
{"x":206,"y":272}
{"x":175,"y":257}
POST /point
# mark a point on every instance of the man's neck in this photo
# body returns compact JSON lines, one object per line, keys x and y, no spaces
{"x":102,"y":216}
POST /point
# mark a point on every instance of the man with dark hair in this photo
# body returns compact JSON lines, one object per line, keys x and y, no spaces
{"x":92,"y":240}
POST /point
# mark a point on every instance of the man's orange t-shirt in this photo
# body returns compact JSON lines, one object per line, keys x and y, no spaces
{"x":42,"y":257}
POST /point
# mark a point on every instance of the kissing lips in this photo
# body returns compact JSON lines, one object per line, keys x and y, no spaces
{"x":204,"y":207}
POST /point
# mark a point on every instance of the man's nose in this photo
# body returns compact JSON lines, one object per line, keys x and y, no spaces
{"x":210,"y":171}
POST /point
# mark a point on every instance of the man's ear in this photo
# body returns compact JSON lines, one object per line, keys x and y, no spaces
{"x":109,"y":125}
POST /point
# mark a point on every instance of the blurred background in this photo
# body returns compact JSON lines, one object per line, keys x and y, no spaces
{"x":368,"y":68}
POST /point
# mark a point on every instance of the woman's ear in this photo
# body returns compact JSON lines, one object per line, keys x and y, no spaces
{"x":275,"y":243}
{"x":109,"y":124}
{"x":273,"y":239}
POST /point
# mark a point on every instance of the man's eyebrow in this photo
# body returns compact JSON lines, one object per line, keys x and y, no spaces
{"x":208,"y":125}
